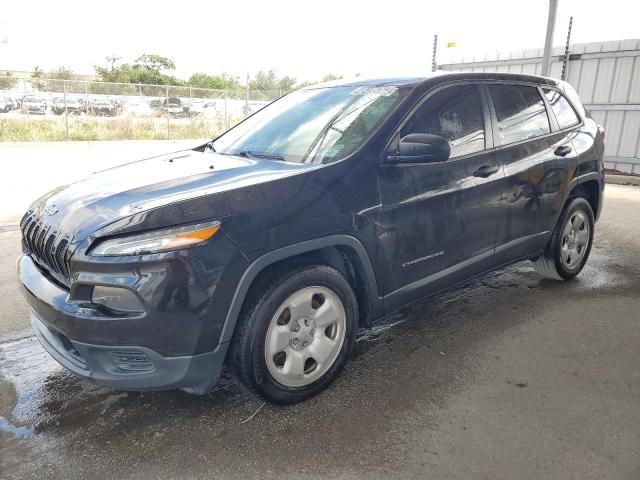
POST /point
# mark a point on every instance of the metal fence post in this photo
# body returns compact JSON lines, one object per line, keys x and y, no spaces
{"x":167,"y":110}
{"x":565,"y":60}
{"x":246,"y":102}
{"x":66,"y":111}
{"x":226,"y":118}
{"x":434,"y":63}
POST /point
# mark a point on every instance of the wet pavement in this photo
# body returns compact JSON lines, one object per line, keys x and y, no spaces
{"x":506,"y":377}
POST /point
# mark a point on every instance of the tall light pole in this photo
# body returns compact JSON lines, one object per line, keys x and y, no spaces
{"x":548,"y":41}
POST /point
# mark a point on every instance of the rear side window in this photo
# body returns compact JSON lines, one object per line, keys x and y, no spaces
{"x":520,"y":112}
{"x":454,"y":113}
{"x":562,"y":109}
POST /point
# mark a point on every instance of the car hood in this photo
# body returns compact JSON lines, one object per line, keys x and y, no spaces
{"x":80,"y":209}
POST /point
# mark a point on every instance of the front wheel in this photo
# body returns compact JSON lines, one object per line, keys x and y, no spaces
{"x":295,"y":335}
{"x":570,"y":244}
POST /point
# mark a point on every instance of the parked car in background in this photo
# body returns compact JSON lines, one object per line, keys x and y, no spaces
{"x":205,"y":108}
{"x":33,"y":104}
{"x":138,"y":106}
{"x":6,"y":104}
{"x":73,"y":105}
{"x":173,"y":106}
{"x":119,"y":104}
{"x":102,"y":107}
{"x":156,"y":103}
{"x":249,"y":108}
{"x":268,"y":247}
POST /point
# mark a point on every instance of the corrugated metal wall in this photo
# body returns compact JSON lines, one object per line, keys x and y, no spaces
{"x":607,"y":78}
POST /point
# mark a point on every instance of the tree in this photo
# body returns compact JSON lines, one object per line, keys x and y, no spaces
{"x":147,"y":69}
{"x":61,"y":73}
{"x":37,"y":74}
{"x":7,"y":82}
{"x":224,"y":81}
{"x":331,"y":77}
{"x":269,"y":83}
{"x":155,"y":62}
{"x":326,"y":78}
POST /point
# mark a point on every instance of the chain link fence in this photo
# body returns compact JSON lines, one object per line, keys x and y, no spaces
{"x":47,"y":109}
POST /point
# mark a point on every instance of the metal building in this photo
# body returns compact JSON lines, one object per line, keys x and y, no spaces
{"x":607,"y":78}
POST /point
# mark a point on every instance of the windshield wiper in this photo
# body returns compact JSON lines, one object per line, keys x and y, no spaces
{"x":267,"y":156}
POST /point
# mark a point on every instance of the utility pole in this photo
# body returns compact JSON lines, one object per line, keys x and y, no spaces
{"x":434,"y":64}
{"x":246,"y":98}
{"x":565,"y":61}
{"x":548,"y":41}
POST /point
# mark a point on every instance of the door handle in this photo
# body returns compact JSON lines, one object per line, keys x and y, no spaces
{"x":485,"y":171}
{"x":562,"y":151}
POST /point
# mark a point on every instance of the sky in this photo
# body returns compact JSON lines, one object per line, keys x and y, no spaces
{"x":304,"y":39}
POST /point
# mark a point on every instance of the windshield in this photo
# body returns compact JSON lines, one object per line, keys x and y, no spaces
{"x":312,"y":126}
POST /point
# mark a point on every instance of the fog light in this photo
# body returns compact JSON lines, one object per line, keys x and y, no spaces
{"x":116,"y":298}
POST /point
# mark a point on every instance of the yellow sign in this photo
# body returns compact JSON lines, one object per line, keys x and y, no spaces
{"x":451,"y":44}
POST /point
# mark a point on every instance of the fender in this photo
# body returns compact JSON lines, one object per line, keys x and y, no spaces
{"x":575,"y":181}
{"x":274,"y":256}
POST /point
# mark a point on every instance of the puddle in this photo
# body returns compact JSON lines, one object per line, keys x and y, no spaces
{"x":24,"y":367}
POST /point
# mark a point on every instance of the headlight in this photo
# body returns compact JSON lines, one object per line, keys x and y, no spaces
{"x":158,"y":240}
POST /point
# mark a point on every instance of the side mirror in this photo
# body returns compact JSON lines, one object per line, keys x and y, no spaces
{"x":421,"y":148}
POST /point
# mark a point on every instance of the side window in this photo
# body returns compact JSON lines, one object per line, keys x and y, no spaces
{"x":454,"y":113}
{"x":520,"y":112}
{"x":564,"y":112}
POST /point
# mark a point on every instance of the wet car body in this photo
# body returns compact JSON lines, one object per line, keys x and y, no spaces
{"x":401,"y":231}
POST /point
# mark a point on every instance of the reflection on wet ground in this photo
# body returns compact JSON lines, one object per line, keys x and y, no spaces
{"x":406,"y":370}
{"x":41,"y":398}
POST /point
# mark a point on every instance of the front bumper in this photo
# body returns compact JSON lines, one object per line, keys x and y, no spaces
{"x":131,"y":367}
{"x":110,"y":350}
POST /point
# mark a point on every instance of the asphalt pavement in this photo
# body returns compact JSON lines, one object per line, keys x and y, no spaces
{"x":506,"y":377}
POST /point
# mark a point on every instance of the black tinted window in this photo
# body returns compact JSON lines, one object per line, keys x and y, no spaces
{"x":454,"y":113}
{"x":562,"y":109}
{"x":520,"y":112}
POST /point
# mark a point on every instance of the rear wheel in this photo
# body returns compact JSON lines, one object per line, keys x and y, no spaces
{"x":295,"y":336}
{"x":570,"y":244}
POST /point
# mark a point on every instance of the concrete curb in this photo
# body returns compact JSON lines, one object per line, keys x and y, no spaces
{"x":623,"y":179}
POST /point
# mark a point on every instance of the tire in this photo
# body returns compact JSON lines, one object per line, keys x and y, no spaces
{"x":272,"y":352}
{"x":570,"y":244}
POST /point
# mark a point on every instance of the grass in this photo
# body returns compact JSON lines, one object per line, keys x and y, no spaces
{"x":121,"y":128}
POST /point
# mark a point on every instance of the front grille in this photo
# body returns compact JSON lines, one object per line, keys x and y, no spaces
{"x":47,"y":246}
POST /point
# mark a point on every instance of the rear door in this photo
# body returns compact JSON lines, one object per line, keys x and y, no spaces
{"x":440,"y":219}
{"x":536,"y":157}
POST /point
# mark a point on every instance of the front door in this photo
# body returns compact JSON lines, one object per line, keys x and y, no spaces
{"x":440,"y":219}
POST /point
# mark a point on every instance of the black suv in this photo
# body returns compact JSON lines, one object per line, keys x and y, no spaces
{"x":268,"y":247}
